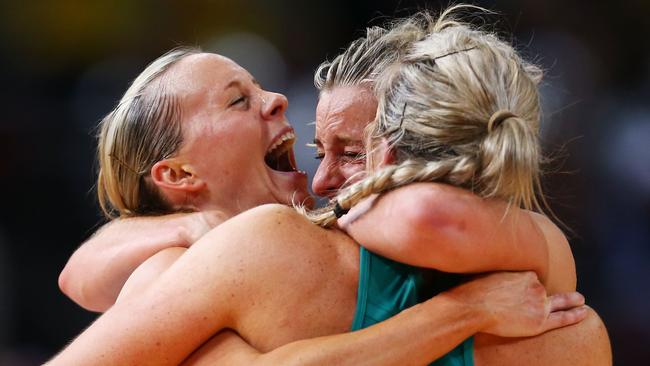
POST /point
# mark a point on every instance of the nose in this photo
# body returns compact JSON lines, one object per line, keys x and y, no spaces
{"x":327,"y":180}
{"x":273,"y":105}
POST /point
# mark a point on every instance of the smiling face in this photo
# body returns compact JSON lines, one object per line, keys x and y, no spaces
{"x":236,"y":139}
{"x":341,"y":117}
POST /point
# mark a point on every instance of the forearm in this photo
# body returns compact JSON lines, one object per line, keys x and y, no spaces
{"x":416,"y":336}
{"x":96,"y":272}
{"x":449,"y":229}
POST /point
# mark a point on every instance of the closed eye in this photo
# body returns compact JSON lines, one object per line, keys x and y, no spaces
{"x":239,"y":100}
{"x":354,"y":156}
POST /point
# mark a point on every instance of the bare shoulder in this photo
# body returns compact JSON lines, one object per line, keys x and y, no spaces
{"x":274,"y":234}
{"x":276,"y":222}
{"x":582,"y":344}
{"x":562,"y":272}
{"x":555,"y":238}
{"x":547,"y":226}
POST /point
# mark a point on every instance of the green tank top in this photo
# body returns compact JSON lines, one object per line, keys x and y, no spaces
{"x":387,"y":287}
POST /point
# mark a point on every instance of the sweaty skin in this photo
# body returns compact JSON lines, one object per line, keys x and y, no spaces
{"x":249,"y":326}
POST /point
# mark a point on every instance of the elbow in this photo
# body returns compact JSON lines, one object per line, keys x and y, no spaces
{"x":72,"y":285}
{"x":65,"y":283}
{"x":435,"y":235}
{"x":438,"y":211}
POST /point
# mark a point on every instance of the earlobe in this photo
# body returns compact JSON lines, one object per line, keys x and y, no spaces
{"x":169,"y":174}
{"x":386,"y":154}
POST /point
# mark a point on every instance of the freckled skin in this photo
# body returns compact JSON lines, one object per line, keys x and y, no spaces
{"x":323,"y":267}
{"x":228,"y":122}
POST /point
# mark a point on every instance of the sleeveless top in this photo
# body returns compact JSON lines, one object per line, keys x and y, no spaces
{"x":387,"y":287}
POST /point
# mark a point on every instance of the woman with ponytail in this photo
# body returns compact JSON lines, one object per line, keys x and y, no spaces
{"x":273,"y":277}
{"x":462,"y":108}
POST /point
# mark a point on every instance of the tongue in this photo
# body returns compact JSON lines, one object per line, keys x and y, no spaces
{"x":283,"y":164}
{"x":280,"y":162}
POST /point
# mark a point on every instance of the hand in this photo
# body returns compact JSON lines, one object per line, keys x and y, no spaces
{"x":516,"y":304}
{"x":356,"y":212}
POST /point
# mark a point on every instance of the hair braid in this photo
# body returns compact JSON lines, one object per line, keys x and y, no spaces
{"x":457,"y":171}
{"x":458,"y":106}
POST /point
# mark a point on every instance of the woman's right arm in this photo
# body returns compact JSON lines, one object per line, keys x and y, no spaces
{"x":96,"y":272}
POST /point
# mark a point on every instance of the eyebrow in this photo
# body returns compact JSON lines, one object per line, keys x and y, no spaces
{"x":344,"y":140}
{"x":237,"y":82}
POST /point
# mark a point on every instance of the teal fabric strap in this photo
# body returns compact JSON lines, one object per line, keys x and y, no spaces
{"x":387,"y":287}
{"x":362,"y":292}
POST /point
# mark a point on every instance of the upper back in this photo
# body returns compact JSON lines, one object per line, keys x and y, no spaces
{"x":297,"y":280}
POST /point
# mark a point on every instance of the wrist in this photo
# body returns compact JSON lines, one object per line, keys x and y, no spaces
{"x":473,"y":313}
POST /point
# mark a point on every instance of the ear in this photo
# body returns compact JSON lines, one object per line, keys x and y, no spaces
{"x":170,"y":174}
{"x":385,"y":154}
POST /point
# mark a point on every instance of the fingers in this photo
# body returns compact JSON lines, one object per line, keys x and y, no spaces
{"x":565,"y":301}
{"x":562,"y":318}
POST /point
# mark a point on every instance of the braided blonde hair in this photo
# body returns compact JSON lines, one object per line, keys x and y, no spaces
{"x":143,"y":129}
{"x":460,"y":107}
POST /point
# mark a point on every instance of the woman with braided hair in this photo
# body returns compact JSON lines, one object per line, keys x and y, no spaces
{"x":459,"y":107}
{"x":273,"y":277}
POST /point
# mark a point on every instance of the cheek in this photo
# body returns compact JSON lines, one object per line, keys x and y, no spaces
{"x":237,"y":143}
{"x":354,"y":171}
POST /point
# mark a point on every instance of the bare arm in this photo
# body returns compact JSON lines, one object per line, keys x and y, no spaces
{"x":582,"y":344}
{"x":417,"y":336}
{"x":424,"y":223}
{"x":96,"y":272}
{"x":449,"y":229}
{"x":207,"y":288}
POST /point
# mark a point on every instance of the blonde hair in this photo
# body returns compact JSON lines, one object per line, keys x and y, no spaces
{"x":143,"y":129}
{"x":366,"y":57}
{"x":460,"y":107}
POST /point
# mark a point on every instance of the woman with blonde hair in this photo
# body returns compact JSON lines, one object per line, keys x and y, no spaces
{"x":236,"y":277}
{"x":460,"y":107}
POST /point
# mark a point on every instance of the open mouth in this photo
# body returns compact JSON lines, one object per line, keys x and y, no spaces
{"x":280,"y":155}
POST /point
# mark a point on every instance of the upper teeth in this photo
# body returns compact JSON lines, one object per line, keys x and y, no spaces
{"x":287,"y":136}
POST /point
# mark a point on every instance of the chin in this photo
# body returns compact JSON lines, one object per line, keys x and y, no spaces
{"x":298,"y":196}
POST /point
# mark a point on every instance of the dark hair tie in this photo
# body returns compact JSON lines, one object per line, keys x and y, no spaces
{"x":340,"y":211}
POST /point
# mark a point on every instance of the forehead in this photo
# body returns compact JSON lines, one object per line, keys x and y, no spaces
{"x":203,"y":73}
{"x":344,"y":112}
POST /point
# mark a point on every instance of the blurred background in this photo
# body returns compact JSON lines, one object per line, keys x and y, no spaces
{"x":65,"y":64}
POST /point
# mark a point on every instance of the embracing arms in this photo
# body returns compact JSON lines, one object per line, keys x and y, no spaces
{"x":439,"y":226}
{"x":210,"y":287}
{"x":447,"y":228}
{"x":96,"y":272}
{"x":418,"y":335}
